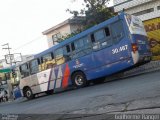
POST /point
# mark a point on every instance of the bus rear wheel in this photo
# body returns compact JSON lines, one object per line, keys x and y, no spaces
{"x":79,"y":79}
{"x":28,"y":93}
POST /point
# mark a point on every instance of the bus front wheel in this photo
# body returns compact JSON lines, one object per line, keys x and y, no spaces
{"x":79,"y":79}
{"x":28,"y":93}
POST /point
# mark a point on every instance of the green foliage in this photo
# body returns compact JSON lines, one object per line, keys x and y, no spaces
{"x":95,"y":12}
{"x":64,"y":37}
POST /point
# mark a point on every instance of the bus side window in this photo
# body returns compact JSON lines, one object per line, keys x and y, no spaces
{"x":34,"y":66}
{"x":47,"y":61}
{"x":92,"y":38}
{"x":79,"y":48}
{"x":108,"y":41}
{"x":59,"y":56}
{"x":107,"y":32}
{"x":117,"y":31}
{"x":67,"y":53}
{"x":99,"y":35}
{"x":72,"y":47}
{"x":24,"y":70}
{"x":87,"y":45}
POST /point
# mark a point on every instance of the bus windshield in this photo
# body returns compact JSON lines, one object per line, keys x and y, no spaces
{"x":135,"y":25}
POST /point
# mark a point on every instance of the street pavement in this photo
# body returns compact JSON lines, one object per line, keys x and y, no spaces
{"x":137,"y":94}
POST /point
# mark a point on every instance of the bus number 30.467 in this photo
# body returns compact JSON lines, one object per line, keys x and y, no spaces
{"x":120,"y":49}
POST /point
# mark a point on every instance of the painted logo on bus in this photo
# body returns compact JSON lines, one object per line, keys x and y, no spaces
{"x":78,"y":64}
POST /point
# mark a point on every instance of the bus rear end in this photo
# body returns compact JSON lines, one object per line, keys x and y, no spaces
{"x":141,"y":52}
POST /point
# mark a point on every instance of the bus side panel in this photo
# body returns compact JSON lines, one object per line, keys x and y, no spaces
{"x":143,"y":46}
{"x":116,"y":58}
{"x":35,"y":86}
{"x":84,"y":64}
{"x":110,"y":69}
{"x":112,"y":59}
{"x":42,"y":83}
{"x":24,"y":82}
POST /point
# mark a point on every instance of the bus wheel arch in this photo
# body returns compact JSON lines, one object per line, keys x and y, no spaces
{"x":28,"y":93}
{"x":79,"y":79}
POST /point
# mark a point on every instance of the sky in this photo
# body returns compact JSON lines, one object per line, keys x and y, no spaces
{"x":23,"y":21}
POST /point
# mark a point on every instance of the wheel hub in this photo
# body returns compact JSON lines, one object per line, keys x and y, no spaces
{"x":28,"y":93}
{"x":79,"y":80}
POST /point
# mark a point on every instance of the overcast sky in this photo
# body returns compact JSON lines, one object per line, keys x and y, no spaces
{"x":23,"y":21}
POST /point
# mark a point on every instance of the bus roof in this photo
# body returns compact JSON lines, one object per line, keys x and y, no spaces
{"x":80,"y":35}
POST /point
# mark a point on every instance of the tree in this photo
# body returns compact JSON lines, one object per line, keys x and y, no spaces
{"x":95,"y":12}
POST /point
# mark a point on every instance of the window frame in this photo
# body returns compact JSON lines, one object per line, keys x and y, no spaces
{"x":26,"y":70}
{"x":102,"y":39}
{"x":143,"y":12}
{"x":36,"y":66}
{"x":81,"y":49}
{"x":112,"y":33}
{"x":101,"y":44}
{"x":44,"y":56}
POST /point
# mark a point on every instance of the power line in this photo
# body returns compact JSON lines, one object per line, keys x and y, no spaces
{"x":25,"y":44}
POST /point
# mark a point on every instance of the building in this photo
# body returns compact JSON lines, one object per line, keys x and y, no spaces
{"x":149,"y":12}
{"x":145,"y":9}
{"x":68,"y":26}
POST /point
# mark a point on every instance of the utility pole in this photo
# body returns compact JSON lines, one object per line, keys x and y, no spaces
{"x":8,"y":48}
{"x":10,"y":87}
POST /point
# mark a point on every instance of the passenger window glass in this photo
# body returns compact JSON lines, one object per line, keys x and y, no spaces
{"x":59,"y":55}
{"x":47,"y":62}
{"x":72,"y":46}
{"x":87,"y":45}
{"x":117,"y":31}
{"x":68,"y":48}
{"x":99,"y":35}
{"x":24,"y":70}
{"x":79,"y":44}
{"x":107,"y":32}
{"x":47,"y":57}
{"x":82,"y":47}
{"x":108,"y":41}
{"x":103,"y":39}
{"x":86,"y":41}
{"x":34,"y":66}
{"x":92,"y":38}
{"x":66,"y":53}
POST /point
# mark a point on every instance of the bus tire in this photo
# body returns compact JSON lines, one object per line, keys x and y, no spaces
{"x":28,"y":93}
{"x":79,"y":79}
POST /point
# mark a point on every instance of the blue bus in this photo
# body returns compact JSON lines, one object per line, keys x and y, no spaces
{"x":104,"y":49}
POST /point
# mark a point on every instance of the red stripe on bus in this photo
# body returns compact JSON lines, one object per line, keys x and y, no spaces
{"x":66,"y":76}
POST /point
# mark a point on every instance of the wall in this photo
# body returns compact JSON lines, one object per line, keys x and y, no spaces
{"x":142,"y":7}
{"x":63,"y":30}
{"x":123,"y":4}
{"x":153,"y":31}
{"x":151,"y":20}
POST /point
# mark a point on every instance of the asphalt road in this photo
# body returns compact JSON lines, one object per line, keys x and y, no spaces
{"x":139,"y":93}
